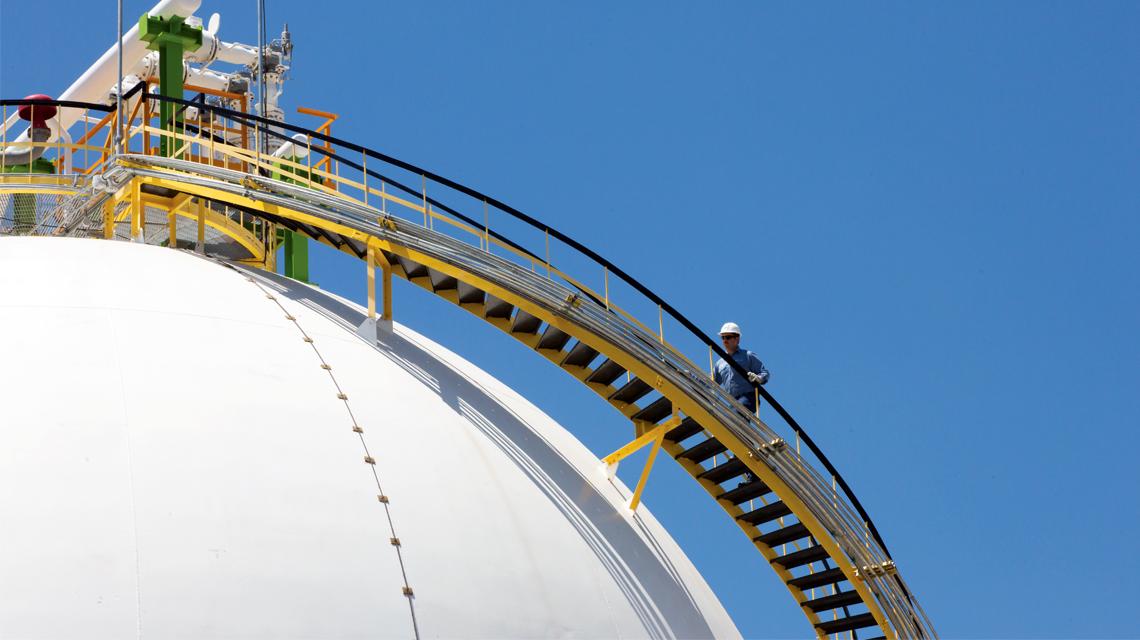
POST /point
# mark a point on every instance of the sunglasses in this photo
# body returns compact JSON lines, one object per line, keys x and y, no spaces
{"x":730,"y":337}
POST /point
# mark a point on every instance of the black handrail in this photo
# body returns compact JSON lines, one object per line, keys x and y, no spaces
{"x":519,"y":215}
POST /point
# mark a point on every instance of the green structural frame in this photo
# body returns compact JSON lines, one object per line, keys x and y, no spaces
{"x":170,"y":37}
{"x":296,"y":249}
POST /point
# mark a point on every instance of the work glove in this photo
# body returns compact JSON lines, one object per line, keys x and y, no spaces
{"x":756,"y":378}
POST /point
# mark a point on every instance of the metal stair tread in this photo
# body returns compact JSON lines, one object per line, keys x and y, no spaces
{"x":722,"y":472}
{"x":523,"y":322}
{"x":496,"y":308}
{"x":553,"y":338}
{"x":631,"y":391}
{"x":686,"y":429}
{"x":442,"y":281}
{"x":834,"y":601}
{"x":800,"y":558}
{"x":781,"y":536}
{"x":818,"y":579}
{"x":703,"y":450}
{"x":412,"y":269}
{"x":655,"y":411}
{"x":766,"y":513}
{"x":469,"y":294}
{"x":580,"y":355}
{"x":607,"y":372}
{"x":745,"y":492}
{"x":847,"y":624}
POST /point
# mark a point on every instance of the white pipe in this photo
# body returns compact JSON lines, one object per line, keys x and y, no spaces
{"x":67,"y":146}
{"x":293,"y":148}
{"x":214,"y":49}
{"x":92,"y":85}
{"x":21,"y":152}
{"x":208,"y":79}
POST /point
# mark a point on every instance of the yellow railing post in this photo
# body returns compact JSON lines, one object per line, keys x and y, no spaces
{"x":309,"y":158}
{"x":172,"y":232}
{"x":606,"y":279}
{"x":364,"y":170}
{"x":371,"y":269}
{"x":137,"y":213}
{"x":486,"y":227}
{"x":109,"y":218}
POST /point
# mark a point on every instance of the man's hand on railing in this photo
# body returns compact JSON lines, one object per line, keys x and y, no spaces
{"x":757,"y":378}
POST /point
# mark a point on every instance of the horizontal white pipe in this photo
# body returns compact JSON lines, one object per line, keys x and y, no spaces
{"x":214,"y":49}
{"x":298,"y":147}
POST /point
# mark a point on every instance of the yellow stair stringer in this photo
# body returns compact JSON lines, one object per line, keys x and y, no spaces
{"x":691,"y":409}
{"x":682,"y":402}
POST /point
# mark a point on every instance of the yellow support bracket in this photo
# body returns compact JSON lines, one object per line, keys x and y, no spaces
{"x":656,"y":435}
{"x":109,"y":219}
{"x":636,"y":499}
{"x":639,"y":442}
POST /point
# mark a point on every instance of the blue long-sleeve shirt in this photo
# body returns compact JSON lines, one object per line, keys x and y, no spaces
{"x":735,"y":384}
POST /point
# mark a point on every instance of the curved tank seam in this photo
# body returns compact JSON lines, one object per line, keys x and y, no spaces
{"x":359,"y":431}
{"x":130,"y":482}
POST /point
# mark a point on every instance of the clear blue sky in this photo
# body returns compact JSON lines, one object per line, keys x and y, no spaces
{"x":924,"y":216}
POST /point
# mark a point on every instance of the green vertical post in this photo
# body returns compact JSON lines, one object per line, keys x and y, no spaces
{"x":296,"y":245}
{"x":170,"y":37}
{"x":296,"y":248}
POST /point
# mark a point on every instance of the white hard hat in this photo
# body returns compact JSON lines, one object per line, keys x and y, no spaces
{"x":730,"y":327}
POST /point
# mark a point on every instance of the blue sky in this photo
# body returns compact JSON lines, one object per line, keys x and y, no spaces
{"x":924,"y":216}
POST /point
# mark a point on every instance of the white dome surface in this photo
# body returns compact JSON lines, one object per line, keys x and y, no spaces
{"x":176,"y":463}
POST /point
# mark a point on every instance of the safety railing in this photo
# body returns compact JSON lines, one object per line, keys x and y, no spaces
{"x":208,"y":133}
{"x":211,"y":135}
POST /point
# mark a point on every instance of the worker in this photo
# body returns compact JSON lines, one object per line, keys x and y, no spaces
{"x":738,"y":386}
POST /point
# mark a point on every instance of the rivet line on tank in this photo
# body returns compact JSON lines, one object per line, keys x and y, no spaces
{"x":382,"y":497}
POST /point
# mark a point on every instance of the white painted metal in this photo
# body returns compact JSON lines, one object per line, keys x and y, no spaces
{"x":93,"y":84}
{"x":174,"y":463}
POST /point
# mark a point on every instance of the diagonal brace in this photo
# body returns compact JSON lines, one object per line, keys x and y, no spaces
{"x":637,"y":443}
{"x":655,"y":436}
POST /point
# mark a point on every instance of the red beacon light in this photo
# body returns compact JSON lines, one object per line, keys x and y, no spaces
{"x":37,"y":113}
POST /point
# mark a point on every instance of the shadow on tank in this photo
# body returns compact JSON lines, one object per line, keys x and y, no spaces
{"x":640,"y":569}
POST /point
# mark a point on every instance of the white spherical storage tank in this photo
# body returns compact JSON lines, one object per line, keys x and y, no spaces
{"x":193,"y":450}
